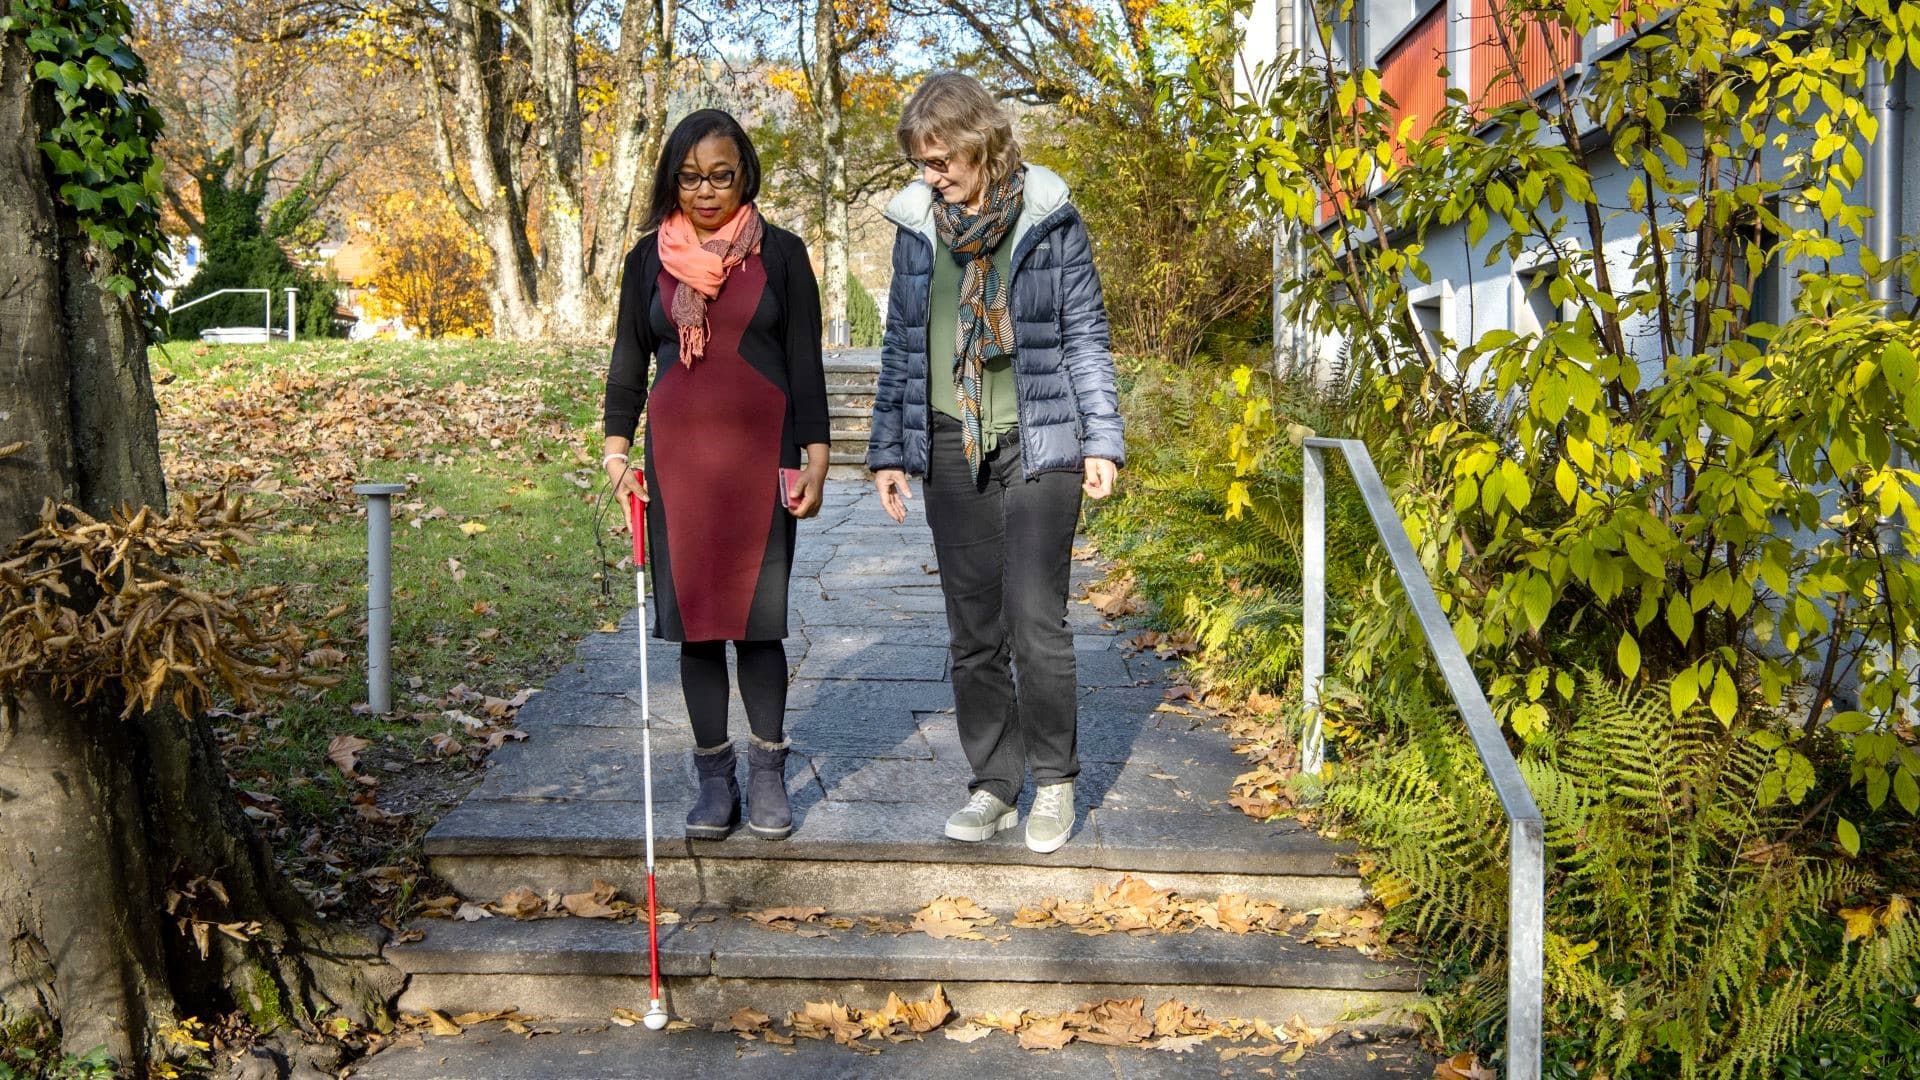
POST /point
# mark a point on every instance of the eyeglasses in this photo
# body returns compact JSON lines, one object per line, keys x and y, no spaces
{"x":937,"y":164}
{"x":721,"y":179}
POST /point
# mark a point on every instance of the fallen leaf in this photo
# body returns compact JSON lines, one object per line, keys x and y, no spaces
{"x":440,"y":1025}
{"x":955,"y":917}
{"x":592,"y":904}
{"x":344,"y":752}
{"x":1180,"y":1044}
{"x":472,"y":528}
{"x":1464,"y":1066}
{"x":520,"y":903}
{"x":1049,"y":1033}
{"x":326,"y":658}
{"x":797,"y":914}
{"x":966,"y":1033}
{"x":456,"y":571}
{"x":470,"y":912}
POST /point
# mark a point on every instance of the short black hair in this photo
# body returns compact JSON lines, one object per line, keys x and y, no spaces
{"x":686,"y":135}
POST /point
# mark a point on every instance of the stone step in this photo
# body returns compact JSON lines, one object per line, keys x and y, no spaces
{"x":855,"y":462}
{"x":849,"y":412}
{"x":584,"y":967}
{"x":602,"y":1051}
{"x":853,"y":362}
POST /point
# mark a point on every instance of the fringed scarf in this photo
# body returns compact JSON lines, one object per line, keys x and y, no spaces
{"x":986,"y":321}
{"x":702,"y":268}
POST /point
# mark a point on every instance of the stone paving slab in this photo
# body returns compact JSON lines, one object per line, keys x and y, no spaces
{"x":606,"y":1052}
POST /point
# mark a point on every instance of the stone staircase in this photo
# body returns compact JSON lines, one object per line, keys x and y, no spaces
{"x":876,"y":767}
{"x":852,"y":377}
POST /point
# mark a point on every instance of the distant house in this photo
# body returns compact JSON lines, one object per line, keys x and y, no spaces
{"x":178,"y":265}
{"x":353,"y":263}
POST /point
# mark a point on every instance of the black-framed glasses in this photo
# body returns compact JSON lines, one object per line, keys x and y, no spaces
{"x":721,"y":179}
{"x":937,"y":164}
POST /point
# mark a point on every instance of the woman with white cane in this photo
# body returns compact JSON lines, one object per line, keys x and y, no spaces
{"x":723,"y":312}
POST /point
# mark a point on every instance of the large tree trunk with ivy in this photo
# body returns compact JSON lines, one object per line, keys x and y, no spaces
{"x":113,"y":832}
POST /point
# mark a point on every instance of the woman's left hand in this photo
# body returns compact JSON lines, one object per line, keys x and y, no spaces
{"x":811,"y":490}
{"x":1101,"y":474}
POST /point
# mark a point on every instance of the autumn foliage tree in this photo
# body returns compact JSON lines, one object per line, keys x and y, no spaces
{"x":432,"y":271}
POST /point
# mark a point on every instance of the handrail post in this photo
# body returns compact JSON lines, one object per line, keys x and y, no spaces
{"x":1526,"y":945}
{"x":1313,"y":588}
{"x":1526,"y":882}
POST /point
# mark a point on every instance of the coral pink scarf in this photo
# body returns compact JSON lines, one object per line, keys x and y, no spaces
{"x":702,"y":269}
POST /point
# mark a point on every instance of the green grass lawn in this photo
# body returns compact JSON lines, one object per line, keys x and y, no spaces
{"x":493,"y":567}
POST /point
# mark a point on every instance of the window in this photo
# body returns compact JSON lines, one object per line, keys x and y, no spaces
{"x":1432,"y":308}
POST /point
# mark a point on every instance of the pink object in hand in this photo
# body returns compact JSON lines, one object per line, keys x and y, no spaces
{"x":788,"y":478}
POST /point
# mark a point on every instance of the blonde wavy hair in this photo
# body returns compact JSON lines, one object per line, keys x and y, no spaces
{"x":959,"y":112}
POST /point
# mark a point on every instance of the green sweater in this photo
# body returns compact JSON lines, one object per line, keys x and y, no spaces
{"x":999,"y":407}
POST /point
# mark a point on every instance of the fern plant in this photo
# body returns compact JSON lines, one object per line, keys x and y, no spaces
{"x":1688,"y":933}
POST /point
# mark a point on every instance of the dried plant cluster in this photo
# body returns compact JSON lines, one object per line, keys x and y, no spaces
{"x":92,"y":606}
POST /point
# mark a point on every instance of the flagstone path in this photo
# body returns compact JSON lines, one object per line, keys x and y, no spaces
{"x":875,"y":770}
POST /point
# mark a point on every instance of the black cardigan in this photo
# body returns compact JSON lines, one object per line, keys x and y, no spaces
{"x":789,"y":277}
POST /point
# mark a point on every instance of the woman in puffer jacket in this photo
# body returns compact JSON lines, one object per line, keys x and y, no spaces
{"x":997,"y":389}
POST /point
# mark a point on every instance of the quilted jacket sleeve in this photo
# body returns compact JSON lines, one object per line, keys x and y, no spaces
{"x":1086,"y":345}
{"x":885,"y":443}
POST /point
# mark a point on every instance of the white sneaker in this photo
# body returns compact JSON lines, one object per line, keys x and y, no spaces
{"x":1050,"y":822}
{"x":983,"y":816}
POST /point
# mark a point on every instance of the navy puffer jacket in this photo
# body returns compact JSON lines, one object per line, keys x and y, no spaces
{"x":1062,"y":365}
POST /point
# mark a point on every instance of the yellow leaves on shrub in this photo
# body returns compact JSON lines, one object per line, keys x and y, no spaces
{"x":1863,"y":922}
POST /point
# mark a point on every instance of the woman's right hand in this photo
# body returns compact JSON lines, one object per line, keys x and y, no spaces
{"x":626,"y":481}
{"x":893,"y":489}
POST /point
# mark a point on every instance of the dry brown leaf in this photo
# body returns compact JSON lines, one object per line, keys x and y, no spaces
{"x":595,"y":903}
{"x":520,"y":903}
{"x":744,"y":1022}
{"x":966,"y":1033}
{"x":1464,"y":1066}
{"x":1180,"y":1044}
{"x":793,"y":914}
{"x":344,"y":752}
{"x":1045,"y":1033}
{"x":1271,"y":1050}
{"x":439,"y":1024}
{"x":954,"y":917}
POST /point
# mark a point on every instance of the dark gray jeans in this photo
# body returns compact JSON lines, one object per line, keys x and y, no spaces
{"x":1005,"y":544}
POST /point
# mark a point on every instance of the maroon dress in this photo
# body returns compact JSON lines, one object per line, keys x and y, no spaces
{"x":717,"y":434}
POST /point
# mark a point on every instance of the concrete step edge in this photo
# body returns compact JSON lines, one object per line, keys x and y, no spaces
{"x":732,"y":947}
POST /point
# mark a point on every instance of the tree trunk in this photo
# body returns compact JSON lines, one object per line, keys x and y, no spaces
{"x":100,"y":816}
{"x":829,"y":110}
{"x":642,"y":67}
{"x":569,"y":286}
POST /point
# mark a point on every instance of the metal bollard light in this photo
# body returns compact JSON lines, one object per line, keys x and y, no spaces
{"x":292,"y":300}
{"x":379,"y":592}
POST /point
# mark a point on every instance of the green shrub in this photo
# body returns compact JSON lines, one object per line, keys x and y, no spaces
{"x":863,"y":315}
{"x":241,"y":253}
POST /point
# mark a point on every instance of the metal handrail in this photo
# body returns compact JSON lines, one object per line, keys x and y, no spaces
{"x":1526,"y":880}
{"x":266,"y":294}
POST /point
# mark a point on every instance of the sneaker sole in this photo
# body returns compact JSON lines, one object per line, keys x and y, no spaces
{"x":710,"y":832}
{"x":770,"y":834}
{"x":1046,"y":847}
{"x":977,"y":833}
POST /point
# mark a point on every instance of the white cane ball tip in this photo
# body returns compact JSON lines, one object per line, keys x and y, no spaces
{"x":656,"y":1021}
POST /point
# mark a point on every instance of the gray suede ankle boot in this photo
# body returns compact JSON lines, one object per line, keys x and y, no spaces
{"x":768,"y":815}
{"x":716,"y":812}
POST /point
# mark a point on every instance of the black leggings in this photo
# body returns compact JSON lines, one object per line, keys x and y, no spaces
{"x":763,"y":687}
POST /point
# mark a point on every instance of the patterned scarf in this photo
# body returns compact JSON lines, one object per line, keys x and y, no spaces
{"x":702,"y":269}
{"x":986,"y":321}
